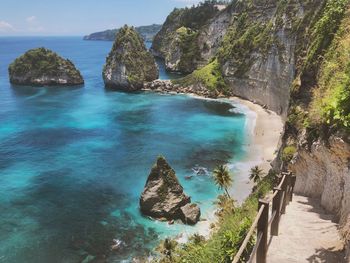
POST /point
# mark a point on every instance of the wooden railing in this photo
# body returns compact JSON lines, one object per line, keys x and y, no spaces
{"x":282,"y":195}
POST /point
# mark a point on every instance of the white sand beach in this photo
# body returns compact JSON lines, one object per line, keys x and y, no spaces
{"x":266,"y":129}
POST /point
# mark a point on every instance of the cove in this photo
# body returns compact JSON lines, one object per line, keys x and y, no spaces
{"x":73,"y":161}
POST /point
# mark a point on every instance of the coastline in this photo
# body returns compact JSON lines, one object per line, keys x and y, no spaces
{"x":264,"y":129}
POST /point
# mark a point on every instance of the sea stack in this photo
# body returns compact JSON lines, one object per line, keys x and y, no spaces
{"x":43,"y":67}
{"x":163,"y":197}
{"x":129,"y":65}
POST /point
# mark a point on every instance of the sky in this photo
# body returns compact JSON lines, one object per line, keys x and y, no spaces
{"x":80,"y":17}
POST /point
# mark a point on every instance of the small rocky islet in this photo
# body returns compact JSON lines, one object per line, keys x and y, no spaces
{"x":163,"y":197}
{"x":43,"y":67}
{"x":129,"y":64}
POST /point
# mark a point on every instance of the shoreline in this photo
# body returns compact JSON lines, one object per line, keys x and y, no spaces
{"x":264,"y":129}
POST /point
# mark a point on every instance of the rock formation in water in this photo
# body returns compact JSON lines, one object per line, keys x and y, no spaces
{"x":41,"y":67}
{"x":129,"y":65}
{"x":163,"y":196}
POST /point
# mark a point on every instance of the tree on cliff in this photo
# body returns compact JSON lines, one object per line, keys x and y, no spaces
{"x":222,"y":178}
{"x":255,"y":174}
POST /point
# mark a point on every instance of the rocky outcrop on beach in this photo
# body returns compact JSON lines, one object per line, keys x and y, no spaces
{"x":43,"y":67}
{"x":168,"y":86}
{"x":129,"y":65}
{"x":163,"y":197}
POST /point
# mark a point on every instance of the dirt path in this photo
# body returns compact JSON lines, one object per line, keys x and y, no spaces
{"x":307,"y":234}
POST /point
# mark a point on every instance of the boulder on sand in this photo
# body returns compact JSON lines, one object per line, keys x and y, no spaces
{"x":191,"y":214}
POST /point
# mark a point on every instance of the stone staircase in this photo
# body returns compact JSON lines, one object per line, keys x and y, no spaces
{"x":306,"y":234}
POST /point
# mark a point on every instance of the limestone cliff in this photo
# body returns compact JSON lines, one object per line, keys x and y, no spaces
{"x":255,"y":43}
{"x":179,"y":42}
{"x":41,"y":67}
{"x":129,"y":65}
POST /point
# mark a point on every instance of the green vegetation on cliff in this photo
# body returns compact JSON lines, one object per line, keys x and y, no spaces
{"x":228,"y":234}
{"x":179,"y":35}
{"x":321,"y":94}
{"x":129,"y":51}
{"x":242,"y":38}
{"x":331,"y":100}
{"x":187,"y":39}
{"x":251,"y":32}
{"x":323,"y":31}
{"x":209,"y":76}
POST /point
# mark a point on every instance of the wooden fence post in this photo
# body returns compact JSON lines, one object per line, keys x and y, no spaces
{"x":285,"y":189}
{"x":293,"y":180}
{"x":289,"y":186}
{"x":276,"y":209}
{"x":263,"y":225}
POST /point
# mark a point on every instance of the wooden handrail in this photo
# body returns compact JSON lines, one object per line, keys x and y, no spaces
{"x":258,"y":240}
{"x":249,"y":235}
{"x":282,"y":195}
{"x":273,"y":215}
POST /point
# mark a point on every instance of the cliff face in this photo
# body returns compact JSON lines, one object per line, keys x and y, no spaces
{"x":43,"y":67}
{"x":129,"y":65}
{"x":257,"y":54}
{"x":323,"y":172}
{"x":254,"y":41}
{"x":179,"y":42}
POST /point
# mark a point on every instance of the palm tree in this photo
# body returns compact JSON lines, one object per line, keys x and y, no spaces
{"x":197,"y":239}
{"x":222,"y":178}
{"x":167,"y":247}
{"x":255,"y":174}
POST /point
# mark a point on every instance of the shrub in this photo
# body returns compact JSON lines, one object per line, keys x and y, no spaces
{"x":288,"y":153}
{"x":210,"y":76}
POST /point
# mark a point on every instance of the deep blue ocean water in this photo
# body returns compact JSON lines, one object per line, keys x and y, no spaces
{"x":73,"y":161}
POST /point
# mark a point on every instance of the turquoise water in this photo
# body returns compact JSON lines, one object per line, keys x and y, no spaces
{"x":73,"y":161}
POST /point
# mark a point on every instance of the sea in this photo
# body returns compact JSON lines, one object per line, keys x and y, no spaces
{"x":74,"y":160}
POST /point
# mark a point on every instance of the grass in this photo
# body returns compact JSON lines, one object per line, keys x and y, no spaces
{"x":288,"y":153}
{"x":331,"y":100}
{"x":210,"y":76}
